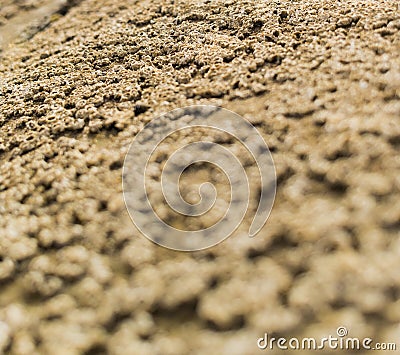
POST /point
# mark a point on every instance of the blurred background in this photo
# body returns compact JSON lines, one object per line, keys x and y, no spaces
{"x":78,"y":80}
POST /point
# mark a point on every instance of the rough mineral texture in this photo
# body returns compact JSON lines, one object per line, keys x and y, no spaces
{"x":321,"y":82}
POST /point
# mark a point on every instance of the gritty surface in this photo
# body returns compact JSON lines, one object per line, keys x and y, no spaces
{"x":320,"y":80}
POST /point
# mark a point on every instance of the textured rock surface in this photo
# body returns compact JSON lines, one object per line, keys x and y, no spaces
{"x":322,"y":83}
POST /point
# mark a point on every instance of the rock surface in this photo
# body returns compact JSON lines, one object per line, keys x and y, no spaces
{"x":321,"y":81}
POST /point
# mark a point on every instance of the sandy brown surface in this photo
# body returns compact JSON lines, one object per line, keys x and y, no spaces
{"x":20,"y":20}
{"x":321,"y":80}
